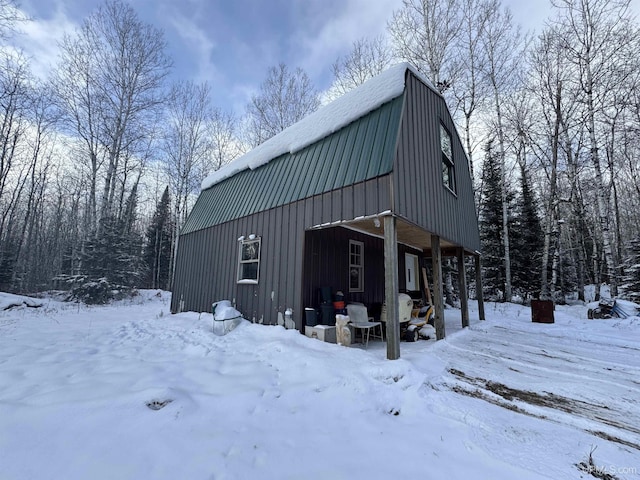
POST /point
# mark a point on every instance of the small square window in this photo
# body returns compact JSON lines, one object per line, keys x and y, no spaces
{"x":249,"y":261}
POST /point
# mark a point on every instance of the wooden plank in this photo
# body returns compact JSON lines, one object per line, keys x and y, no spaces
{"x":436,"y":260}
{"x":391,"y":287}
{"x":462,"y":284}
{"x":425,"y":281}
{"x":479,"y":294}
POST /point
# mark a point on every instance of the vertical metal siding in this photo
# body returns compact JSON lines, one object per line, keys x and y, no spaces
{"x":418,"y":189}
{"x":327,"y":264}
{"x":207,"y":259}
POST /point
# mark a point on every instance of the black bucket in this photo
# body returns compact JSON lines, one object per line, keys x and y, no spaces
{"x":311,"y":316}
{"x":325,"y":295}
{"x":328,"y":314}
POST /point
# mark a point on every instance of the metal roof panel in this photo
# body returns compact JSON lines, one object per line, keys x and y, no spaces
{"x":359,"y":151}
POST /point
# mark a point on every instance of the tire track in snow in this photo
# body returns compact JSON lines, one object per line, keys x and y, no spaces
{"x":549,"y":378}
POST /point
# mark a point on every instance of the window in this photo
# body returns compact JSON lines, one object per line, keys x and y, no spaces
{"x":448,"y":172}
{"x":356,"y":266}
{"x":411,"y":272}
{"x":249,"y":261}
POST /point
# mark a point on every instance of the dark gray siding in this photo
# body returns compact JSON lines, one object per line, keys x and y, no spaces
{"x":326,"y":263}
{"x":420,"y":194}
{"x":207,"y":261}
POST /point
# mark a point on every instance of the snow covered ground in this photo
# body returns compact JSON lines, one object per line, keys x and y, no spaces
{"x":505,"y":398}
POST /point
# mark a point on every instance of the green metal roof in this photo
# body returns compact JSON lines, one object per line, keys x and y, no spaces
{"x":362,"y":150}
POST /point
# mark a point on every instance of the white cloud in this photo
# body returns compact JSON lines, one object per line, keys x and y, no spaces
{"x":40,"y":37}
{"x":357,"y":19}
{"x":199,"y":44}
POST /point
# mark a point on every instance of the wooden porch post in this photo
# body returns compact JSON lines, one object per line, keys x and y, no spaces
{"x":391,"y":287}
{"x":479,"y":294}
{"x":436,"y":262}
{"x":462,"y":284}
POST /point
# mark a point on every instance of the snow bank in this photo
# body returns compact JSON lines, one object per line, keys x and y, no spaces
{"x":328,"y":119}
{"x":9,"y":300}
{"x":129,"y":391}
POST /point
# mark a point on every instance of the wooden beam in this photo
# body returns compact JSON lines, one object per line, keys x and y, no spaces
{"x":425,"y":281}
{"x":479,"y":294}
{"x":438,"y":304}
{"x":391,"y":287}
{"x":462,"y":284}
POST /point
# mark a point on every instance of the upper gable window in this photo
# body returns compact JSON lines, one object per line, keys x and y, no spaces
{"x":448,"y":170}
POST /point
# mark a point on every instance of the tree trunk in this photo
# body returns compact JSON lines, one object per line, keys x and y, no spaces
{"x":505,"y":208}
{"x":601,"y":198}
{"x":545,"y":293}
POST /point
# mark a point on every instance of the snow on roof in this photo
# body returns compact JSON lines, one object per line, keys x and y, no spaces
{"x":328,"y":119}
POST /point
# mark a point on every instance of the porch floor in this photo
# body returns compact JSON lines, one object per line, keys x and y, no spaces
{"x":453,"y":324}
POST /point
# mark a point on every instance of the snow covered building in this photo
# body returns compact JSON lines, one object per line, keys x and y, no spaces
{"x":376,"y":178}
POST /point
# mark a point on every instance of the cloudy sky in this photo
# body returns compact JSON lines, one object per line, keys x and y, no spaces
{"x":231,"y":43}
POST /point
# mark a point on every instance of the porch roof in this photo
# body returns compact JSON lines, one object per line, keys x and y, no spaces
{"x":407,"y":232}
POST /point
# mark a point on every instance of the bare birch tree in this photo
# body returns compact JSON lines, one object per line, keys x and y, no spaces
{"x":502,"y":43}
{"x":595,"y":30}
{"x":547,"y":60}
{"x":186,"y":147}
{"x":9,"y":16}
{"x":424,"y":33}
{"x":367,"y":58}
{"x":14,"y":102}
{"x":110,"y":84}
{"x":469,"y":87}
{"x":285,"y":97}
{"x":225,"y":145}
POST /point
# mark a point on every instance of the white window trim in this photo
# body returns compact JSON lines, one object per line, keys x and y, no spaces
{"x":360,"y":267}
{"x":249,"y":281}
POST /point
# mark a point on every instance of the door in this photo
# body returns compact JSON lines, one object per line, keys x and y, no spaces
{"x":411,"y":272}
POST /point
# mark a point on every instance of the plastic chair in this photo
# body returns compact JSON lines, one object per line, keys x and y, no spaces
{"x":360,"y":320}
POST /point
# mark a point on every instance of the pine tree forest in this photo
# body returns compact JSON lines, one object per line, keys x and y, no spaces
{"x":101,"y":162}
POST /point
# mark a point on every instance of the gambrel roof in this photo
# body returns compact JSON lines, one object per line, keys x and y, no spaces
{"x":348,"y":141}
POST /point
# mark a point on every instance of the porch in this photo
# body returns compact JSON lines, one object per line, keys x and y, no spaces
{"x":370,"y":260}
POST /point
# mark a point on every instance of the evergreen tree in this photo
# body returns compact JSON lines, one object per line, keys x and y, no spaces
{"x":527,"y":239}
{"x":114,"y":252}
{"x":631,"y":281}
{"x":490,"y":219}
{"x":568,"y":276}
{"x":129,"y":263}
{"x":157,"y":252}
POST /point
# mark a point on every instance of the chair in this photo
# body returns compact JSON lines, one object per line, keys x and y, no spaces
{"x":360,"y":320}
